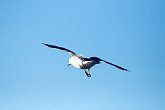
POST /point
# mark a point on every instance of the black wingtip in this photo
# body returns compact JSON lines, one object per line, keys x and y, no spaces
{"x":43,"y":43}
{"x":123,"y":68}
{"x":46,"y":44}
{"x":119,"y":67}
{"x":127,"y":70}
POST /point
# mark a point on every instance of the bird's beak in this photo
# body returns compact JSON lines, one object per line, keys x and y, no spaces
{"x":69,"y":64}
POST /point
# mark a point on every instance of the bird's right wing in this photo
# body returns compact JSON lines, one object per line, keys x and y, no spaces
{"x":61,"y":48}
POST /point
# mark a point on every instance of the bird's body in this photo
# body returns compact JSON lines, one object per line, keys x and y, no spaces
{"x":89,"y":64}
{"x":76,"y":62}
{"x":82,"y":62}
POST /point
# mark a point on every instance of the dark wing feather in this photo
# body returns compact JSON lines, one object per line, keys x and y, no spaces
{"x":119,"y":67}
{"x":61,"y":48}
{"x":98,"y":60}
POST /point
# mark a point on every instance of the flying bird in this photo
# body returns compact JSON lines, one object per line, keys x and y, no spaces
{"x":81,"y":62}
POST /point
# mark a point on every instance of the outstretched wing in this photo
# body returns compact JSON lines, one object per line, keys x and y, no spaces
{"x":61,"y":48}
{"x":119,"y":67}
{"x":98,"y":60}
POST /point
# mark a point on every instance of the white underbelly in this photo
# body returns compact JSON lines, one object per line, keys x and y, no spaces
{"x":76,"y":62}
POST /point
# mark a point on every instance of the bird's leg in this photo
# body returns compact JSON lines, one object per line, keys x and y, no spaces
{"x":87,"y":74}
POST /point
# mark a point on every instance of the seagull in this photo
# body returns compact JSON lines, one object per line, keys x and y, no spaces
{"x":83,"y":63}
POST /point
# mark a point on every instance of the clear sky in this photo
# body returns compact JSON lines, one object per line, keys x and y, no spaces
{"x":130,"y":33}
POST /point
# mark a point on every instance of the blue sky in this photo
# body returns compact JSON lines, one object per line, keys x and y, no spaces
{"x":129,"y":33}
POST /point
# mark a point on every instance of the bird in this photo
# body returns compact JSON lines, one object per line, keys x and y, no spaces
{"x":81,"y":62}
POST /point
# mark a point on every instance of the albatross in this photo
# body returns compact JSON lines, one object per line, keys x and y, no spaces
{"x":81,"y":62}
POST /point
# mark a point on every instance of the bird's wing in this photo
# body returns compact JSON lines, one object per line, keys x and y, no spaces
{"x":98,"y":60}
{"x":62,"y":48}
{"x":119,"y":67}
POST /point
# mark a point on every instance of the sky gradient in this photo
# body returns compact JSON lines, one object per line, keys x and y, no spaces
{"x":128,"y":33}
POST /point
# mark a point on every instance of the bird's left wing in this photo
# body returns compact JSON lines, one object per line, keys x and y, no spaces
{"x":62,"y":48}
{"x":98,"y":59}
{"x":119,"y":67}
